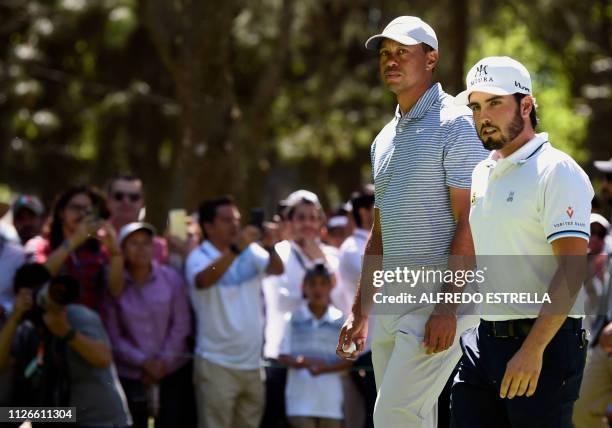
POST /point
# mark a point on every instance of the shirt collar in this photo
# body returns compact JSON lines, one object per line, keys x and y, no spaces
{"x":308,"y":315}
{"x":209,"y":249}
{"x":528,"y":149}
{"x":423,"y":104}
{"x":524,"y":153}
{"x":151,"y":278}
{"x":361,"y":233}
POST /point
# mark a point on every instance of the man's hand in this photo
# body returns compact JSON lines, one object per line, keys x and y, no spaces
{"x":354,"y":330}
{"x":156,"y":369}
{"x":108,"y":237}
{"x":23,"y":303}
{"x":248,"y":235}
{"x":147,"y":380}
{"x":86,"y":229}
{"x":605,"y":338}
{"x":522,"y":373}
{"x":270,"y":234}
{"x":317,"y":369}
{"x":312,"y":249}
{"x":440,"y":331}
{"x":57,"y":322}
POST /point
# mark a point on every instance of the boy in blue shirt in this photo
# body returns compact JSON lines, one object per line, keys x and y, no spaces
{"x":314,"y":393}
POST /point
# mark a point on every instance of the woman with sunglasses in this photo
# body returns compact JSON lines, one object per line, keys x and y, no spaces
{"x":82,"y":243}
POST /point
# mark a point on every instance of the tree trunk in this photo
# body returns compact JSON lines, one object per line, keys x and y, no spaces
{"x":193,"y":38}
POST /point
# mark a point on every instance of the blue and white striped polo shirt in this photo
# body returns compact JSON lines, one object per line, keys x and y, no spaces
{"x":415,"y":159}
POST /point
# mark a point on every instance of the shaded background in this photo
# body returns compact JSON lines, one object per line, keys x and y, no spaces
{"x":257,"y":98}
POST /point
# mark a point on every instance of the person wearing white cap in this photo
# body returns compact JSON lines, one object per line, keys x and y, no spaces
{"x":283,"y":293}
{"x":522,"y":366}
{"x":422,"y":162}
{"x":148,"y":325}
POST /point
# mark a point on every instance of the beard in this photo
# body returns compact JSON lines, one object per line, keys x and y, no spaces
{"x":515,"y":127}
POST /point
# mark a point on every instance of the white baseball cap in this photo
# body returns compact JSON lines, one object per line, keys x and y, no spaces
{"x":604,"y":166}
{"x":497,"y":75}
{"x":598,"y":218}
{"x":407,"y":30}
{"x":337,"y":221}
{"x":130,"y":228}
{"x":300,"y":196}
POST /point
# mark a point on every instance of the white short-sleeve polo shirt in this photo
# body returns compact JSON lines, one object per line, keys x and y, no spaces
{"x":519,"y":205}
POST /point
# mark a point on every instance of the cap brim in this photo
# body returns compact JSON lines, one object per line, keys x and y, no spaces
{"x":603,"y":166}
{"x":463,"y":98}
{"x":34,"y":209}
{"x":373,"y":43}
{"x":599,"y":219}
{"x":148,"y":228}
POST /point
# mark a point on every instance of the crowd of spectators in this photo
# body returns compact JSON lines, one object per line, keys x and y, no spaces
{"x":232,"y":325}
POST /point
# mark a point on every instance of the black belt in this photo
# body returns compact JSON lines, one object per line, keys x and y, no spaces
{"x":522,"y":327}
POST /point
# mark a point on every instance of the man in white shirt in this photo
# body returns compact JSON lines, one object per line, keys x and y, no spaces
{"x":530,"y":206}
{"x":351,"y":252}
{"x":225,"y":274}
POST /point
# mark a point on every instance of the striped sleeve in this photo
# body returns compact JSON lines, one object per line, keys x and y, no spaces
{"x":372,"y":154}
{"x":463,"y":151}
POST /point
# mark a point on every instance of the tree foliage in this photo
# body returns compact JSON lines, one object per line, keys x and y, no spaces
{"x":260,"y":97}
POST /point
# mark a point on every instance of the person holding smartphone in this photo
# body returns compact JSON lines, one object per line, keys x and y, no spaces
{"x":283,"y":293}
{"x":83,"y":244}
{"x":225,"y":275}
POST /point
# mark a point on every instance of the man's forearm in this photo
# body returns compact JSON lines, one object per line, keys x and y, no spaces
{"x":57,"y":258}
{"x":562,"y":291}
{"x":275,"y":265}
{"x":95,"y":352}
{"x":213,"y":273}
{"x":338,"y":367}
{"x":115,"y":275}
{"x":461,"y":257}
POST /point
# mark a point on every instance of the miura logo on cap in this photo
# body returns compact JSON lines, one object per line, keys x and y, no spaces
{"x":481,"y":69}
{"x":518,"y":85}
{"x":481,"y":75}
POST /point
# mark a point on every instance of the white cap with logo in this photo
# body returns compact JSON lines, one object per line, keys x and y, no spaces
{"x":407,"y":30}
{"x":497,"y":75}
{"x":130,"y":228}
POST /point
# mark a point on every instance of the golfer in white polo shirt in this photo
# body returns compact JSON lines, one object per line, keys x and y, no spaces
{"x":530,"y":206}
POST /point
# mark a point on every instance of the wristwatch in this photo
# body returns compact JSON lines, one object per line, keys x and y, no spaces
{"x":69,"y":336}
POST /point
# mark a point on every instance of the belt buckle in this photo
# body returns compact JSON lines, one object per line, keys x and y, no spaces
{"x":495,"y":331}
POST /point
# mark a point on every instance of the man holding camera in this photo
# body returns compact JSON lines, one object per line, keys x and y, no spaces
{"x":59,"y":352}
{"x":224,"y":275}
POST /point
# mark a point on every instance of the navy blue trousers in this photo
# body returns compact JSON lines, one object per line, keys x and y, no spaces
{"x":475,"y":401}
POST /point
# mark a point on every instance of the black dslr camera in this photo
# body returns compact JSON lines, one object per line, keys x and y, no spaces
{"x":61,"y":289}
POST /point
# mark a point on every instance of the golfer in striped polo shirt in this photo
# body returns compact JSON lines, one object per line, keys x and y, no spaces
{"x":422,"y":162}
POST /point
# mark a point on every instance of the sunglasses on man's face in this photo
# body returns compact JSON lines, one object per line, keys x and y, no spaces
{"x":120,"y":196}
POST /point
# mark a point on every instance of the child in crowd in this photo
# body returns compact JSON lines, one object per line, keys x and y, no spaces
{"x":314,"y":392}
